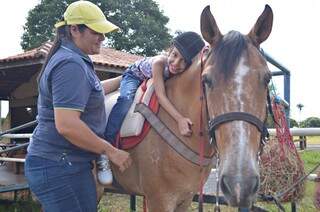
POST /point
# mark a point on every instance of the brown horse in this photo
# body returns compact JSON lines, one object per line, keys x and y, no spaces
{"x":234,"y":77}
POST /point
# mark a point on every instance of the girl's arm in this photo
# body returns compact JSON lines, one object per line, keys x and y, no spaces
{"x":70,"y":126}
{"x":158,"y":81}
{"x":111,"y":85}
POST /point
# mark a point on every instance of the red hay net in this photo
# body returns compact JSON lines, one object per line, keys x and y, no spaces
{"x":281,"y":165}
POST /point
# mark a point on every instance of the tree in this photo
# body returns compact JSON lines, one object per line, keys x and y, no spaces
{"x":311,"y":122}
{"x":293,"y":123}
{"x":300,"y":106}
{"x":142,"y":25}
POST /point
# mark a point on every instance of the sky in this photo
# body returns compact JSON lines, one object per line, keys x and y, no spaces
{"x":293,"y":42}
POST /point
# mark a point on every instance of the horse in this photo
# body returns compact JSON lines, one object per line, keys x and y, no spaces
{"x":224,"y":93}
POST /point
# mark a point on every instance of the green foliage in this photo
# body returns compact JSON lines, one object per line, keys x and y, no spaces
{"x":40,"y":22}
{"x":311,"y":122}
{"x":293,"y":123}
{"x":20,"y":206}
{"x":270,"y":122}
{"x":142,"y":25}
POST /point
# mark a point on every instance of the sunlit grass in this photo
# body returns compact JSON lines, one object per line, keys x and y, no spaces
{"x":310,"y":139}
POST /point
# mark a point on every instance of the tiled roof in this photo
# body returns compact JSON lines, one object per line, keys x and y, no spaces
{"x":107,"y":57}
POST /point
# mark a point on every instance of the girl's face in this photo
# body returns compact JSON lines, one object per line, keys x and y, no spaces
{"x":176,"y":62}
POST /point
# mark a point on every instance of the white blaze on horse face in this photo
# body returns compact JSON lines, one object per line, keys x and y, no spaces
{"x":241,"y":72}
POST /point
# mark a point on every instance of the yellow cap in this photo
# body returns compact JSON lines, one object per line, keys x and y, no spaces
{"x":85,"y":12}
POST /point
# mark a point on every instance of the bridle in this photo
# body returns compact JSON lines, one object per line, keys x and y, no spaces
{"x":214,"y":123}
{"x":221,"y":119}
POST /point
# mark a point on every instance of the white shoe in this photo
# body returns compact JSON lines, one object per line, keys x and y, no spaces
{"x":104,"y":171}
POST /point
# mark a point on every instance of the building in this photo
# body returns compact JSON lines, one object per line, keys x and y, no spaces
{"x":18,"y":76}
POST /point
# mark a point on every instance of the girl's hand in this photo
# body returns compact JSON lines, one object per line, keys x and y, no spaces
{"x":121,"y":159}
{"x":184,"y":125}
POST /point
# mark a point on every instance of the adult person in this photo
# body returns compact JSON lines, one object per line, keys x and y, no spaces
{"x":71,"y":115}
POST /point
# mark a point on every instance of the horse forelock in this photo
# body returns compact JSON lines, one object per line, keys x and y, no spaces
{"x":228,"y":51}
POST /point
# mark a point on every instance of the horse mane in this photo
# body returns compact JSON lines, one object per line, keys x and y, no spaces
{"x":228,"y":51}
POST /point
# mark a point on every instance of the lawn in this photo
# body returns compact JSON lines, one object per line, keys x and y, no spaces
{"x":310,"y":139}
{"x":313,"y":140}
{"x":120,"y":203}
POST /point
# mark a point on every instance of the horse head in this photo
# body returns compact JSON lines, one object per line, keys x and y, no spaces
{"x":235,"y":78}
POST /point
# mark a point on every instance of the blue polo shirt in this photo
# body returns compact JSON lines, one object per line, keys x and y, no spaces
{"x":69,"y":82}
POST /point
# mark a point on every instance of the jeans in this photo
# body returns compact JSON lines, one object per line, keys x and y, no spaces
{"x":128,"y":87}
{"x":62,"y":186}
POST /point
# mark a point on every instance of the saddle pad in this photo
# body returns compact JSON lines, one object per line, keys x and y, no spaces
{"x":133,"y":122}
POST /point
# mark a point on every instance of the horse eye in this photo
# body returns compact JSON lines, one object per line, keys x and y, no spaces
{"x":207,"y":81}
{"x":267,"y":78}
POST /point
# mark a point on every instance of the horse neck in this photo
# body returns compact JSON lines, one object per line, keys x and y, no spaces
{"x":184,"y":91}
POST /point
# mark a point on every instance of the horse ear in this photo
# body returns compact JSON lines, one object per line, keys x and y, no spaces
{"x":209,"y":28}
{"x":262,"y":28}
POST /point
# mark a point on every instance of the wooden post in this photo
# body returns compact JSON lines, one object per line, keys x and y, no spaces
{"x":305,"y":141}
{"x":301,"y":143}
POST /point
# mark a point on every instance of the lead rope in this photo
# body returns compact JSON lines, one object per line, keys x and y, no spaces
{"x":217,"y":205}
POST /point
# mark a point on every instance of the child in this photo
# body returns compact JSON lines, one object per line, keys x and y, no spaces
{"x":185,"y":47}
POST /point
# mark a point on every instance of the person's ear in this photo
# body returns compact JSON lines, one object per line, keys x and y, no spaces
{"x":74,"y":30}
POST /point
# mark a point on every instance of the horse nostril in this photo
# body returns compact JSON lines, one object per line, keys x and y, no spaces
{"x":250,"y":185}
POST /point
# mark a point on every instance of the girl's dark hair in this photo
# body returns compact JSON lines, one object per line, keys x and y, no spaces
{"x":62,"y":33}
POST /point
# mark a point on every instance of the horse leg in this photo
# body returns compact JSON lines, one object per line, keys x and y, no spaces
{"x":160,"y":204}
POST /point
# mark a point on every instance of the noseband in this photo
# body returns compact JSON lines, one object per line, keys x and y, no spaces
{"x":239,"y":116}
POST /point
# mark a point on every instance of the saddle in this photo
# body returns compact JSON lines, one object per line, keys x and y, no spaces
{"x":134,"y":127}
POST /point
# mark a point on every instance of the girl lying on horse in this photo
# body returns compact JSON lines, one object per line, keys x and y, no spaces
{"x":184,"y":48}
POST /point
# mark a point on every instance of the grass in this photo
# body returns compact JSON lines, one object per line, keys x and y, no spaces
{"x":313,"y":140}
{"x":121,"y":203}
{"x":310,"y":139}
{"x":19,"y":206}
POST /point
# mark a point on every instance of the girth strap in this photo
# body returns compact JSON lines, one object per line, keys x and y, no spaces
{"x":170,"y":138}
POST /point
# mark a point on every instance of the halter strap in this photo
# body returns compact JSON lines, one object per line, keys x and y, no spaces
{"x":239,"y":116}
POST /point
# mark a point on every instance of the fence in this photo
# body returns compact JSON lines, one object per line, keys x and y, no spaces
{"x":301,"y":132}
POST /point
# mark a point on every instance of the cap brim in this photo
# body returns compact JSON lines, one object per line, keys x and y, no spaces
{"x":103,"y":27}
